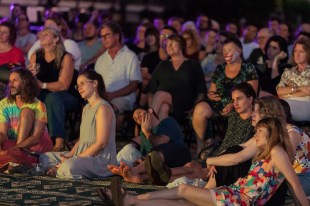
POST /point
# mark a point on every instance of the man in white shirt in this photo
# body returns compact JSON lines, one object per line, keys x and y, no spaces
{"x":248,"y":40}
{"x":119,"y":68}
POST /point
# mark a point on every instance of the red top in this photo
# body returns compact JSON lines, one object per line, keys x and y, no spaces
{"x":14,"y":55}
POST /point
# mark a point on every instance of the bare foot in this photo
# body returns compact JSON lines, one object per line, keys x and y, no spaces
{"x":52,"y":171}
{"x":126,"y":172}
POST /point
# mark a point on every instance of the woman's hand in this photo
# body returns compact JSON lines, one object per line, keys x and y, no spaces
{"x":211,"y":171}
{"x":63,"y":157}
{"x":282,"y":55}
{"x":213,"y":96}
{"x":227,"y":109}
{"x":146,"y":124}
{"x":34,"y":68}
{"x":305,"y":89}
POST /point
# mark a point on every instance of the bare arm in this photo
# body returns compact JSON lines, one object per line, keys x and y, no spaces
{"x":234,"y":159}
{"x":254,"y":84}
{"x":72,"y":151}
{"x":34,"y":138}
{"x":104,"y":118}
{"x":65,"y":76}
{"x":131,"y":87}
{"x":288,"y":91}
{"x":295,"y":139}
{"x":147,"y":131}
{"x":280,"y":159}
{"x":3,"y":134}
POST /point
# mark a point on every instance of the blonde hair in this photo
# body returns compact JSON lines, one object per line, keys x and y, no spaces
{"x":59,"y":48}
{"x":277,"y":135}
{"x":270,"y":106}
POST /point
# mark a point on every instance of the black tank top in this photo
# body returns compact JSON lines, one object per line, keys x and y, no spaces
{"x":50,"y":73}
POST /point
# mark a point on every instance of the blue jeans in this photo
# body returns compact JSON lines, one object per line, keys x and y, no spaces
{"x":305,"y":182}
{"x":57,"y":103}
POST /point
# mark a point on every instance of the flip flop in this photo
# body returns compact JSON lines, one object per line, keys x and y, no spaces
{"x":116,"y":190}
{"x":157,"y":171}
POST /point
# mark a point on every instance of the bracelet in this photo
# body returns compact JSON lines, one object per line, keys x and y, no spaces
{"x":44,"y":85}
{"x":294,"y":89}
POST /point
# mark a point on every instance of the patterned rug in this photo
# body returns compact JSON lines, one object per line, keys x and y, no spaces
{"x":21,"y":189}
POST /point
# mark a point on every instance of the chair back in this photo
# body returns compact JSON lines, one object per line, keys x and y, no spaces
{"x":5,"y":71}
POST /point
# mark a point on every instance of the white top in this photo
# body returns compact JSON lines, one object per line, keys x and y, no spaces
{"x":248,"y":48}
{"x":70,"y":46}
{"x":118,"y":72}
{"x":293,"y":77}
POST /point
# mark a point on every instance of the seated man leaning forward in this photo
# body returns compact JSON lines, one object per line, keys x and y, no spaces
{"x":22,"y":120}
{"x":163,"y":136}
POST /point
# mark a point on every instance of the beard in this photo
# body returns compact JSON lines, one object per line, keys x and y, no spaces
{"x":15,"y":91}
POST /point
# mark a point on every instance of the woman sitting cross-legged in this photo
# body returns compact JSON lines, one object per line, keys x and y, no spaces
{"x":96,"y":147}
{"x":271,"y":165}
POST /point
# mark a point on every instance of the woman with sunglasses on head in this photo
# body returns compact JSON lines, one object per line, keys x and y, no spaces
{"x":54,"y":70}
{"x":96,"y":147}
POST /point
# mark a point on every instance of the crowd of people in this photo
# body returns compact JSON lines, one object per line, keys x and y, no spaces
{"x":255,"y":83}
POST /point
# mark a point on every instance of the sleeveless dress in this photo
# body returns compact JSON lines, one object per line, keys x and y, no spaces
{"x":88,"y":167}
{"x":256,"y":188}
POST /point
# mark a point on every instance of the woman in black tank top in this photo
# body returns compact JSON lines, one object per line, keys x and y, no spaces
{"x":56,"y":77}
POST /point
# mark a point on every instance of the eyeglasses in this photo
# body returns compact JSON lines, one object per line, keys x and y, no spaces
{"x":171,"y":44}
{"x":82,"y":84}
{"x":106,"y":36}
{"x":4,"y":33}
{"x":164,"y":36}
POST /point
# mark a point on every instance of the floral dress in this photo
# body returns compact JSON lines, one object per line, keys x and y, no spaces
{"x":254,"y":189}
{"x":301,"y":162}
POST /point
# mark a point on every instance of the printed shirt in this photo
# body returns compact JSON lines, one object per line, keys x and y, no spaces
{"x":301,"y":162}
{"x":292,"y":77}
{"x":10,"y":113}
{"x":257,"y":187}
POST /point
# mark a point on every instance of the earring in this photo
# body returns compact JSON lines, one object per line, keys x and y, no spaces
{"x":94,"y":93}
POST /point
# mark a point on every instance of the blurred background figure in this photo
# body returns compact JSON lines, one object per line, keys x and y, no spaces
{"x":25,"y":39}
{"x":175,"y":22}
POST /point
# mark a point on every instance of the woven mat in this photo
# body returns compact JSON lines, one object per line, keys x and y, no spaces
{"x":21,"y":189}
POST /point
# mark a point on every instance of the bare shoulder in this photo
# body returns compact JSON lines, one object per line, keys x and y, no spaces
{"x":277,"y":150}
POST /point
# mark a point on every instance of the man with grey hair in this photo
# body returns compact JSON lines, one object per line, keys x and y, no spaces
{"x":120,"y":70}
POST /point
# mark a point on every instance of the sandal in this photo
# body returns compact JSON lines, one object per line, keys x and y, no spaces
{"x":158,"y":172}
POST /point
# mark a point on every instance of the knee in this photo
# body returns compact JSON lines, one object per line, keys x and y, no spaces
{"x":182,"y":189}
{"x":165,"y":108}
{"x":27,"y":113}
{"x":202,"y":111}
{"x":166,"y":96}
